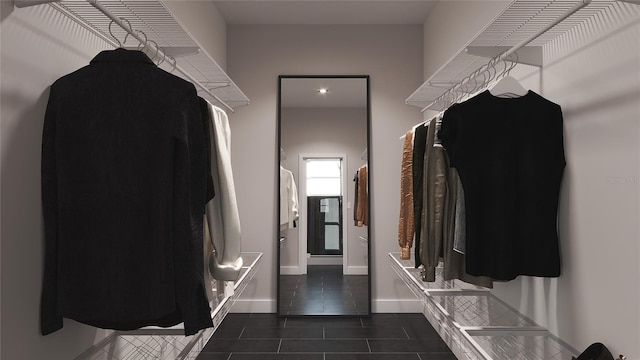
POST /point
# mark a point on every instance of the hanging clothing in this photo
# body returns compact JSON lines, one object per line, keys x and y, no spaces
{"x":454,"y":261}
{"x":510,"y":157}
{"x":222,"y":211}
{"x":123,"y":192}
{"x":433,"y":197}
{"x":288,"y":199}
{"x":405,"y":224}
{"x":206,"y":123}
{"x":460,"y":233}
{"x":419,"y":144}
{"x":355,"y":200}
{"x":207,"y":245}
{"x":362,"y":204}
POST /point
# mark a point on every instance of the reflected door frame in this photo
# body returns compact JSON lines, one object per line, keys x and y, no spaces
{"x":302,"y":202}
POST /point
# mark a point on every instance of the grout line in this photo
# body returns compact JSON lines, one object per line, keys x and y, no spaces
{"x":406,"y":333}
{"x":419,"y":357}
{"x":369,"y":346}
{"x":323,"y":333}
{"x":229,"y":356}
{"x":285,"y":322}
{"x":242,"y":332}
{"x":361,"y":323}
{"x":279,"y":345}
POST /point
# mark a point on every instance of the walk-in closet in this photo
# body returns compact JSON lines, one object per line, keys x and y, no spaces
{"x":367,"y":179}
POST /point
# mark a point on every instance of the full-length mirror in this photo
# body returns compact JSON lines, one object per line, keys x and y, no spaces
{"x":324,"y":195}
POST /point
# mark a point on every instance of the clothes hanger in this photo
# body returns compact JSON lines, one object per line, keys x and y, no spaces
{"x":142,"y":45}
{"x":157,"y":50}
{"x":174,"y":62}
{"x":113,"y":36}
{"x":508,"y":87}
{"x":120,"y":44}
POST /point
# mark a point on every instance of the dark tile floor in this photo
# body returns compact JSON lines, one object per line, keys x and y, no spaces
{"x":379,"y":337}
{"x":324,"y":290}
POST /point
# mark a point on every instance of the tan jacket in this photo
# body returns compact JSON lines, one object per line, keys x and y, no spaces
{"x":405,"y":223}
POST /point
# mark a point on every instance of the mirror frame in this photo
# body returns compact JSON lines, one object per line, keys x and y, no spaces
{"x":369,"y":184}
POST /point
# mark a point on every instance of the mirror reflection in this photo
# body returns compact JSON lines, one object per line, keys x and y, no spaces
{"x":324,"y":202}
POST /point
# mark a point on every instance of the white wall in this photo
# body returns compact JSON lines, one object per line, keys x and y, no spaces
{"x":597,"y":297}
{"x":392,"y":56}
{"x":38,"y":46}
{"x":594,"y":74}
{"x":451,"y":25}
{"x":206,"y":25}
{"x":326,"y":131}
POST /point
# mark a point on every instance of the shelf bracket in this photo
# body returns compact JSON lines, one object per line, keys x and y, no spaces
{"x":212,"y":85}
{"x":530,"y":55}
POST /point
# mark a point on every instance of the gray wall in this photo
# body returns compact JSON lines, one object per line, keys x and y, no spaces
{"x":326,"y":131}
{"x":257,"y":54}
{"x":38,"y":46}
{"x":206,"y":25}
{"x":594,"y":74}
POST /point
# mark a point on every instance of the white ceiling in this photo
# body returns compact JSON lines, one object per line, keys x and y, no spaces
{"x":316,"y":12}
{"x":343,"y":92}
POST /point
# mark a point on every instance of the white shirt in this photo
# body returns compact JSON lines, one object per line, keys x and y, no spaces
{"x":288,"y":199}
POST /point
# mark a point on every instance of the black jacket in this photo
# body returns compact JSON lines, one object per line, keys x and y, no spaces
{"x":123,"y":191}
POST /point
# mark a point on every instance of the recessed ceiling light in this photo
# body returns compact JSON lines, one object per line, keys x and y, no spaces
{"x":323,"y":91}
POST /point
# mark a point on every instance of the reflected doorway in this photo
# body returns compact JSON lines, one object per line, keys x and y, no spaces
{"x":324,"y":210}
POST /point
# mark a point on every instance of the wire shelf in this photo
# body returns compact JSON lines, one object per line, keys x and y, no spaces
{"x":169,"y":343}
{"x":475,"y":324}
{"x":153,"y":19}
{"x":481,"y":309}
{"x":522,"y":347}
{"x":516,"y":23}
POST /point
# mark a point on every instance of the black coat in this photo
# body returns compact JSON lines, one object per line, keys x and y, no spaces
{"x":123,"y":191}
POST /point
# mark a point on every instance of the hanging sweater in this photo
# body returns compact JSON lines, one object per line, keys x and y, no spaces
{"x":405,"y":224}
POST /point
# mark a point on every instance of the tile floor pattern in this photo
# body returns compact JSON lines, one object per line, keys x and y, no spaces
{"x":324,"y":290}
{"x":379,"y":337}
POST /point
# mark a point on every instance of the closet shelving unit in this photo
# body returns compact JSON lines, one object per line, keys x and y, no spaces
{"x":153,"y":19}
{"x":524,"y":24}
{"x":170,"y":343}
{"x":476,"y":324}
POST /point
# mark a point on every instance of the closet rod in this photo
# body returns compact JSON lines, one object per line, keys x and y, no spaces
{"x":524,"y":42}
{"x":96,"y":4}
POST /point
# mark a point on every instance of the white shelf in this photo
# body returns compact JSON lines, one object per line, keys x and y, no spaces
{"x":475,"y":324}
{"x":153,"y":19}
{"x":519,"y":21}
{"x":170,"y":343}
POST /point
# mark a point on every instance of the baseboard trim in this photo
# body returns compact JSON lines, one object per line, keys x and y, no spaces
{"x":254,"y":306}
{"x":324,"y":260}
{"x":290,"y":270}
{"x":396,"y":306}
{"x":377,"y":306}
{"x":357,"y":270}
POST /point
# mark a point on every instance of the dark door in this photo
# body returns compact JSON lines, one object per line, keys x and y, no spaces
{"x":324,"y":229}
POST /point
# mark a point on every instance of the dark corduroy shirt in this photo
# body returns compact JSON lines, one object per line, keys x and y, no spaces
{"x":123,"y":191}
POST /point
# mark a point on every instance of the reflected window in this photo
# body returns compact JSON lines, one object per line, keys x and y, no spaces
{"x":323,"y":177}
